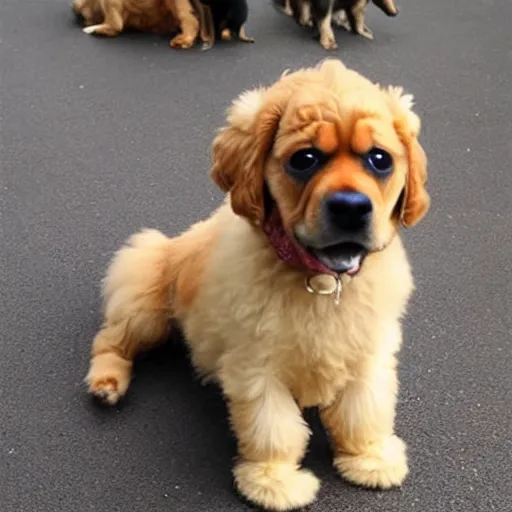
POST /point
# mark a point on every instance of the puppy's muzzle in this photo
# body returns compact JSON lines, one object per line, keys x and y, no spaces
{"x":343,"y":235}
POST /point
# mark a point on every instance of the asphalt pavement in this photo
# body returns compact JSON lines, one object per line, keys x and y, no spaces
{"x":100,"y":138}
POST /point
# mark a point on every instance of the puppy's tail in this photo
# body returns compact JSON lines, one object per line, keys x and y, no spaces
{"x":150,"y":280}
{"x":136,"y":287}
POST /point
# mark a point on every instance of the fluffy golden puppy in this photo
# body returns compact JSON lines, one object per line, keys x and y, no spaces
{"x":290,"y":295}
{"x":110,"y":17}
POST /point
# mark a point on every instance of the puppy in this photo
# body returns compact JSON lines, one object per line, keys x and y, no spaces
{"x":348,"y":14}
{"x":110,"y":17}
{"x":291,"y":294}
{"x":224,"y":19}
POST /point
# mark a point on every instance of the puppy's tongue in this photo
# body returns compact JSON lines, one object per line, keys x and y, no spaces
{"x":345,"y":257}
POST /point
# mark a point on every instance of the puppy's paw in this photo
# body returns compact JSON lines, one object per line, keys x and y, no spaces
{"x":305,"y":17}
{"x":246,"y":39}
{"x":242,"y":36}
{"x":366,"y":33}
{"x":382,"y":465}
{"x":109,"y":377}
{"x":226,"y":35}
{"x":181,"y":41}
{"x":106,"y":389}
{"x":91,"y":29}
{"x":305,"y":21}
{"x":329,"y":43}
{"x":101,"y":30}
{"x":287,"y":10}
{"x":276,"y":486}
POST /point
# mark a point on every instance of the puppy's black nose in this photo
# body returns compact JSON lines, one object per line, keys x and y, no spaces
{"x":348,"y":210}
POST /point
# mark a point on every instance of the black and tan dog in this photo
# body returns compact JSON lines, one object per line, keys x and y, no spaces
{"x":348,"y":14}
{"x":223,"y":19}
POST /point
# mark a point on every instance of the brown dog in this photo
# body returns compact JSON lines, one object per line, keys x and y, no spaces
{"x":291,"y":294}
{"x":110,"y":17}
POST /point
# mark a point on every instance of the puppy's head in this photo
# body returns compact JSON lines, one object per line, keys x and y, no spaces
{"x":336,"y":156}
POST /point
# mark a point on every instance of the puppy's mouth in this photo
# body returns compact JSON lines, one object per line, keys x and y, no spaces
{"x":334,"y":259}
{"x":340,"y":258}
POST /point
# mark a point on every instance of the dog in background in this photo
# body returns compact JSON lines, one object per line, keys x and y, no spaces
{"x":348,"y":14}
{"x":291,"y":294}
{"x":110,"y":17}
{"x":224,"y":19}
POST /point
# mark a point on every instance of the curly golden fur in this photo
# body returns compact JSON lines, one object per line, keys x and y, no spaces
{"x":251,"y":325}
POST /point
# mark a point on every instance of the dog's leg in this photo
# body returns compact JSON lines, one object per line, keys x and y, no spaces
{"x":112,"y":23}
{"x":361,"y":425}
{"x":189,"y":24}
{"x":323,"y":15}
{"x":287,"y":8}
{"x":359,"y":25}
{"x":136,"y":292}
{"x":272,"y":438}
{"x":237,"y":23}
{"x":207,"y":28}
{"x":242,"y":36}
{"x":305,"y":18}
{"x":387,"y":6}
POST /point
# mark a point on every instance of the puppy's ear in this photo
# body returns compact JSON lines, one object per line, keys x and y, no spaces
{"x":415,"y":201}
{"x":240,"y":150}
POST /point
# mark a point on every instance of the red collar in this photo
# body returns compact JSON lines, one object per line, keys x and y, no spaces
{"x":286,"y":247}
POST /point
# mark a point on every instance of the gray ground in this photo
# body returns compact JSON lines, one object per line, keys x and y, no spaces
{"x":103,"y":137}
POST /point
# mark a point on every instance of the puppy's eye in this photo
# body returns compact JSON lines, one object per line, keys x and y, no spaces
{"x":305,"y":162}
{"x":378,"y":161}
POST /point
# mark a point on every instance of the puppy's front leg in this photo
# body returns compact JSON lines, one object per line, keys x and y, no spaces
{"x":323,"y":16}
{"x":305,"y":18}
{"x":287,"y":8}
{"x":272,"y":438}
{"x":361,"y":425}
{"x":356,"y":20}
{"x":111,"y":26}
{"x":189,"y":24}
